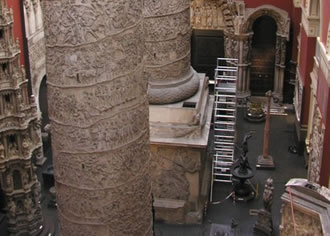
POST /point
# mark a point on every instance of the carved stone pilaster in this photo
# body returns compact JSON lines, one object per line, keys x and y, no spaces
{"x":280,"y":53}
{"x":328,"y":41}
{"x":27,"y":5}
{"x":316,"y":147}
{"x":98,"y":109}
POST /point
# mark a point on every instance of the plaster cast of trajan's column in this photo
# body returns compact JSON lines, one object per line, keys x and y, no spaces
{"x":99,"y":116}
{"x":167,"y":33}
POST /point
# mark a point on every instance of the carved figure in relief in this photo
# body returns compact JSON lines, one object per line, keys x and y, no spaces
{"x":36,"y":192}
{"x":278,"y":51}
{"x":25,"y":179}
{"x":246,"y":50}
{"x":283,"y":50}
{"x":13,"y":149}
{"x":2,"y":151}
{"x":215,"y":17}
{"x":12,"y":209}
{"x":28,"y":205}
{"x":209,"y":16}
{"x":9,"y":181}
{"x":238,"y":21}
{"x":204,"y":17}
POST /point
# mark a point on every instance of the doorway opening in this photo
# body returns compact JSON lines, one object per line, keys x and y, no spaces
{"x":263,"y":56}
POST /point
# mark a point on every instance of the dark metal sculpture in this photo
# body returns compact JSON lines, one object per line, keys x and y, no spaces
{"x":242,"y":171}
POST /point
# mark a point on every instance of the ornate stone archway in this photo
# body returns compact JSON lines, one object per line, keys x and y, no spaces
{"x":242,"y":47}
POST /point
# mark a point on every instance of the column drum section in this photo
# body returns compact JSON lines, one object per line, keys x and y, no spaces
{"x":167,"y":33}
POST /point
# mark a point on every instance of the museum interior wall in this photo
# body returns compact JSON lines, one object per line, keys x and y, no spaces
{"x":312,"y":88}
{"x":35,"y":38}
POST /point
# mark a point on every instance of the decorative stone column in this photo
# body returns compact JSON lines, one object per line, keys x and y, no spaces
{"x":279,"y":68}
{"x":245,"y":49}
{"x":99,"y":116}
{"x":167,"y":33}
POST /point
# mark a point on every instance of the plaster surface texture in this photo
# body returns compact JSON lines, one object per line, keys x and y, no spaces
{"x":167,"y":43}
{"x":98,"y":110}
{"x":179,"y":136}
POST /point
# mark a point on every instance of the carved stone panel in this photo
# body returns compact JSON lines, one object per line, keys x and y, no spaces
{"x":316,"y":147}
{"x":297,"y":101}
{"x":170,"y":166}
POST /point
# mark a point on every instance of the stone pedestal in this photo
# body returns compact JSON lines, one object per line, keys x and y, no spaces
{"x":309,"y":204}
{"x":180,"y":172}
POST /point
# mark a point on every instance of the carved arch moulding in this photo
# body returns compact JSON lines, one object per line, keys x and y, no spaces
{"x":280,"y":16}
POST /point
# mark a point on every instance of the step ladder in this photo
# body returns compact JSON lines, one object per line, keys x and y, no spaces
{"x":224,"y":120}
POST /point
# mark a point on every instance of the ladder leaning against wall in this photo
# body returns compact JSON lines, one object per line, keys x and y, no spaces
{"x":224,"y":120}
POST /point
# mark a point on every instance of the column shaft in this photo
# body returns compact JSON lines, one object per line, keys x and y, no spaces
{"x":99,"y":116}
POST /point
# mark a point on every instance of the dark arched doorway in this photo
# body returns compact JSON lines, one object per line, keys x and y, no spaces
{"x":43,"y":104}
{"x":263,"y":56}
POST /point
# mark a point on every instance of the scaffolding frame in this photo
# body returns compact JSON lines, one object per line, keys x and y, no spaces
{"x":225,"y":87}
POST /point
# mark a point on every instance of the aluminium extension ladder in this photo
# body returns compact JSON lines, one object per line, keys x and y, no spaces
{"x":224,"y":120}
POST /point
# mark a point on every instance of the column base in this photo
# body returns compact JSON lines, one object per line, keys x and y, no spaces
{"x":265,"y":162}
{"x":173,"y":92}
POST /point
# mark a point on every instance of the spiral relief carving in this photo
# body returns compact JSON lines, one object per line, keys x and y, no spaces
{"x":167,"y":33}
{"x":99,"y":116}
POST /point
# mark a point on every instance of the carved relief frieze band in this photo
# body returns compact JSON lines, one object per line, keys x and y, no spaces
{"x":214,"y":14}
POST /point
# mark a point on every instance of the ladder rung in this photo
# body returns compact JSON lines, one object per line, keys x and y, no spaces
{"x":224,"y":116}
{"x":224,"y":95}
{"x":223,"y":136}
{"x":224,"y":78}
{"x":223,"y":149}
{"x":228,"y":103}
{"x":219,"y":163}
{"x":219,"y":174}
{"x":222,"y":180}
{"x":224,"y":157}
{"x":224,"y":143}
{"x":229,"y":130}
{"x":224,"y":122}
{"x":222,"y":169}
{"x":225,"y":109}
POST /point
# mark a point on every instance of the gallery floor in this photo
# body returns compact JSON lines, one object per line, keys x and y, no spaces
{"x":288,"y":166}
